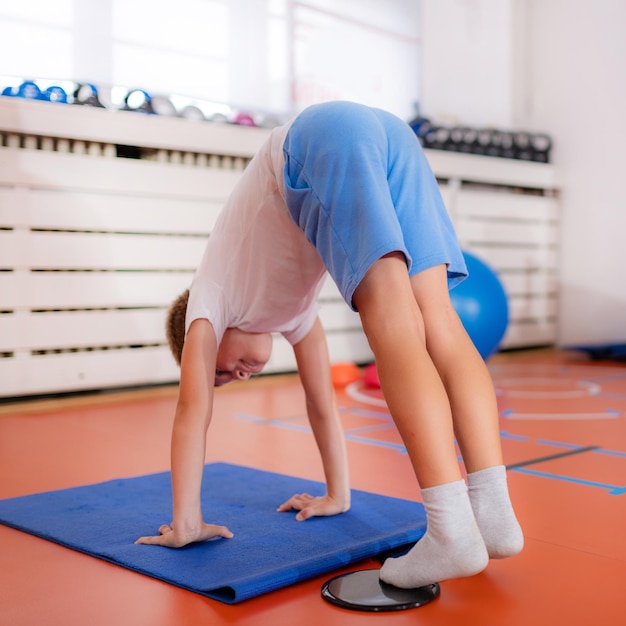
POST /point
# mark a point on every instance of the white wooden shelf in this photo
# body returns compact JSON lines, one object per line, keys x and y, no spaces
{"x":94,"y":246}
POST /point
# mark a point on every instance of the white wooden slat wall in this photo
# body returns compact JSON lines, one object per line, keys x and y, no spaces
{"x":94,"y":247}
{"x":516,"y":231}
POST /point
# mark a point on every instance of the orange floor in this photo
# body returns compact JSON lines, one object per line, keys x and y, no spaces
{"x":572,"y":508}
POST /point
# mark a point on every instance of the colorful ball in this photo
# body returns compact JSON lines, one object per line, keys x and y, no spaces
{"x":344,"y":373}
{"x":370,"y":376}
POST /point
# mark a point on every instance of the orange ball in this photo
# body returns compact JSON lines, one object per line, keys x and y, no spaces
{"x":344,"y":373}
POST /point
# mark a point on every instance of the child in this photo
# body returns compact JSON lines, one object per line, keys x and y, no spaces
{"x":346,"y":189}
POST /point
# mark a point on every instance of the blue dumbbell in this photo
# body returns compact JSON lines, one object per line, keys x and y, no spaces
{"x":29,"y":90}
{"x":55,"y":94}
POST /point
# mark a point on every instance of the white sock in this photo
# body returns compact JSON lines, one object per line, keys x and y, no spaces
{"x":451,"y":548}
{"x":489,"y":495}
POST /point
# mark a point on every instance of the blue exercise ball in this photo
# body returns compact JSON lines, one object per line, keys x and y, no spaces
{"x":481,"y":303}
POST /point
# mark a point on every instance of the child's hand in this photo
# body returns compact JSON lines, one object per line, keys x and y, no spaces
{"x":310,"y":506}
{"x":169,"y":538}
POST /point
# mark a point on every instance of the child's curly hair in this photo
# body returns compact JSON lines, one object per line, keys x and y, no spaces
{"x":175,"y":325}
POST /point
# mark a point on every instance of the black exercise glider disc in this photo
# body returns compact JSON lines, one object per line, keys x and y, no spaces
{"x":364,"y":591}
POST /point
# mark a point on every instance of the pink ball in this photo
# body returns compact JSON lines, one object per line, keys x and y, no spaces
{"x":370,"y":376}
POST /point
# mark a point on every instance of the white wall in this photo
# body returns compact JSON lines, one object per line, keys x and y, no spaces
{"x":577,"y":88}
{"x":555,"y":66}
{"x":467,"y":61}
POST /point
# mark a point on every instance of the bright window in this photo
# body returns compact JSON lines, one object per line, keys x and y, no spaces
{"x":263,"y":55}
{"x":362,"y":50}
{"x":36,"y":38}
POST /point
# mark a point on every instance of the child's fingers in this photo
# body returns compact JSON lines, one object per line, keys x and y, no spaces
{"x":147,"y":540}
{"x":305,"y":513}
{"x":213,"y":530}
{"x":169,"y":538}
{"x":315,"y":507}
{"x":309,"y":506}
{"x":297,"y":502}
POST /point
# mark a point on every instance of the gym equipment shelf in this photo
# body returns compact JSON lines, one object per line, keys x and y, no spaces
{"x":103,"y":218}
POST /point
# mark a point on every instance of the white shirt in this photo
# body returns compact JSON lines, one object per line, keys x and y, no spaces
{"x":258,"y":272}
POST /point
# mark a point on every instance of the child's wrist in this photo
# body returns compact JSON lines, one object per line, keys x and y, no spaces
{"x":187,"y":526}
{"x":341,"y":500}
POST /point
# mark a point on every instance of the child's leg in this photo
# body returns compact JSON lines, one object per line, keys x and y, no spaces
{"x":417,"y":400}
{"x":474,"y":410}
{"x":412,"y":387}
{"x":464,"y":374}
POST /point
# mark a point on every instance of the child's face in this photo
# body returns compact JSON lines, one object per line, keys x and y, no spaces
{"x":241,"y":354}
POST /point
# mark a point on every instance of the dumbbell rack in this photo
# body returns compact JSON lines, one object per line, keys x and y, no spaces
{"x":104,"y":216}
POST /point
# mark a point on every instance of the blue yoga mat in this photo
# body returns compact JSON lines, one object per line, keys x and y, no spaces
{"x":269,"y":551}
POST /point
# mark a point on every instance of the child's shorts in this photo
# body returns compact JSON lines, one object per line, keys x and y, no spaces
{"x":359,"y":186}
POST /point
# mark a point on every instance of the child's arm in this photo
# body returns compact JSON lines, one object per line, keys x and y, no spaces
{"x":193,"y":415}
{"x":314,"y":369}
